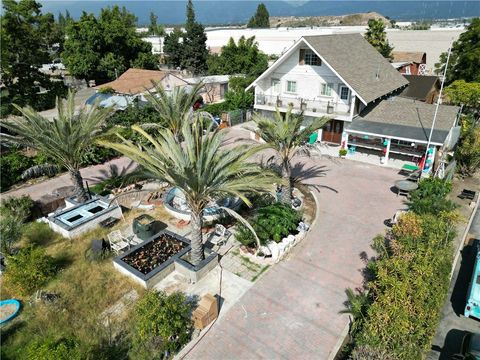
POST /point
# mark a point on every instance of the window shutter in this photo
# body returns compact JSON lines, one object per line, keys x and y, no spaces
{"x":301,"y":60}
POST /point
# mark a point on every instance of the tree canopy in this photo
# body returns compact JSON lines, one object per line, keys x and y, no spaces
{"x":104,"y":47}
{"x":465,"y":56}
{"x":377,"y":37}
{"x":467,"y":94}
{"x":153,"y":27}
{"x":27,"y":37}
{"x":261,"y":18}
{"x":188,"y":50}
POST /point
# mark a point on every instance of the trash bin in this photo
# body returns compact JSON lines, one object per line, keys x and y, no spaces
{"x":144,"y":226}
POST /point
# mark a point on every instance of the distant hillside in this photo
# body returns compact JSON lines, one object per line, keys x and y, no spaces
{"x":342,"y":20}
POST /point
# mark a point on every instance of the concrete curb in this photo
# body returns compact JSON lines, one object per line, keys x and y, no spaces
{"x":465,"y":233}
{"x":339,"y":344}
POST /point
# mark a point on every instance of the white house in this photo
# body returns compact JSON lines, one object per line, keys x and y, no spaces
{"x":343,"y":77}
{"x":327,"y":75}
{"x":157,"y":43}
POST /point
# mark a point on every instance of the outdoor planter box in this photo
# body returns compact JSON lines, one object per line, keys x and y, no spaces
{"x":144,"y":226}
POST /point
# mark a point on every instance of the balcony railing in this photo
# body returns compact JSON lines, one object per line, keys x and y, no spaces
{"x":323,"y":106}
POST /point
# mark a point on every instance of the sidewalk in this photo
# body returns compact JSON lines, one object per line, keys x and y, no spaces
{"x":90,"y":174}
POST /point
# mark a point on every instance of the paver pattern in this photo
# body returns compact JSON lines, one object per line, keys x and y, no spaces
{"x":292,"y":312}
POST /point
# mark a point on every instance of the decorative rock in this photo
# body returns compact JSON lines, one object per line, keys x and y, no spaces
{"x":273,"y":247}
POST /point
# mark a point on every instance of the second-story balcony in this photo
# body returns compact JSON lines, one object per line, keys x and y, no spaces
{"x":318,"y":105}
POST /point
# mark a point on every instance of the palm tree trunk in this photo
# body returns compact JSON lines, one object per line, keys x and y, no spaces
{"x":196,"y":243}
{"x":287,"y":187}
{"x":79,"y":189}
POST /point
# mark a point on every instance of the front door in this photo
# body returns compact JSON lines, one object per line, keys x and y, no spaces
{"x":332,"y":132}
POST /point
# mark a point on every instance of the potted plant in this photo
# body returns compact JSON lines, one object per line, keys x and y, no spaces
{"x":342,"y":152}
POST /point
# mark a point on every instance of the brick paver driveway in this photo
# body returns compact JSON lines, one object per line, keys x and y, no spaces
{"x":292,"y":312}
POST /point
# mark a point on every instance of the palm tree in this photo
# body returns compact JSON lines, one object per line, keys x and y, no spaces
{"x":65,"y":139}
{"x":200,"y":167}
{"x":287,"y":135}
{"x":357,"y":305}
{"x":175,"y":108}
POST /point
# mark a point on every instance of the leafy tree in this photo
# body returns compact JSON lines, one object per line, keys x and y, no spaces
{"x":261,"y":18}
{"x":10,"y":231}
{"x":467,"y":153}
{"x":287,"y":135}
{"x":162,"y":325}
{"x":377,"y":37}
{"x":66,"y":139}
{"x":26,"y":37}
{"x":104,"y":47}
{"x":467,"y":94}
{"x":174,"y":110}
{"x":29,"y":269}
{"x":200,"y":167}
{"x":188,"y":50}
{"x":464,"y":57}
{"x":242,"y":58}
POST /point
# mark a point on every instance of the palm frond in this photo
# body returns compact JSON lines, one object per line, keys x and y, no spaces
{"x":40,"y":170}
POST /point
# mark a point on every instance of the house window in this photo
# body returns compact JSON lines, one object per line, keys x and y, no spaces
{"x":407,"y":70}
{"x":276,"y":86}
{"x":327,"y":89}
{"x":344,"y":93}
{"x":308,"y":57}
{"x":291,"y":86}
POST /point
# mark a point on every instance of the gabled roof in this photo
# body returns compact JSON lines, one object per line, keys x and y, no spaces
{"x":413,"y":56}
{"x":406,"y":119}
{"x":419,"y":86}
{"x":359,"y":64}
{"x":134,"y":81}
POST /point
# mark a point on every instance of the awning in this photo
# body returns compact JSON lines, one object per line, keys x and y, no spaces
{"x":400,"y":132}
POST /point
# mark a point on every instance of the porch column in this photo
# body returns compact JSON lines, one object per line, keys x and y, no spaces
{"x":319,"y":137}
{"x":352,"y":106}
{"x":387,"y":153}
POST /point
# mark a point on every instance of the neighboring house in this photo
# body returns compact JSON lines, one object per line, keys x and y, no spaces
{"x":327,"y":75}
{"x":133,"y":83}
{"x":373,"y":112}
{"x":410,"y":62}
{"x":215,"y":87}
{"x":422,"y":88}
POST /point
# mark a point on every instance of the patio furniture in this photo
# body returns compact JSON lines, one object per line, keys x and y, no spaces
{"x":220,"y":236}
{"x":414,"y":176}
{"x":467,"y":194}
{"x":405,"y":186}
{"x":118,"y":243}
{"x":408,"y":167}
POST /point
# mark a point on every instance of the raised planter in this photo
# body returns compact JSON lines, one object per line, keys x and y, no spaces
{"x":151,"y":261}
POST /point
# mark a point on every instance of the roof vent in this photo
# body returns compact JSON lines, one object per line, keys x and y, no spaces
{"x":377,"y":74}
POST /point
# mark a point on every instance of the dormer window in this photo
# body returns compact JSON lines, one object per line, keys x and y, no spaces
{"x":308,"y":57}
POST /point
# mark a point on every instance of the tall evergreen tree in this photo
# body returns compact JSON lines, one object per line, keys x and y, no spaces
{"x":195,"y":44}
{"x":261,"y":18}
{"x":377,"y":37}
{"x":173,"y":47}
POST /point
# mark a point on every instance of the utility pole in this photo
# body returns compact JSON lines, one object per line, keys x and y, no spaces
{"x":437,"y":106}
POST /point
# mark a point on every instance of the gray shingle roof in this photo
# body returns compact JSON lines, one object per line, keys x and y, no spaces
{"x":358,"y":63}
{"x":404,"y":118}
{"x":420,"y":86}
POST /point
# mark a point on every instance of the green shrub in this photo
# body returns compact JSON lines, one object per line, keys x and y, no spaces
{"x":410,"y":286}
{"x":21,"y":207}
{"x":10,"y":231}
{"x":162,"y":325}
{"x":29,"y":270}
{"x":134,"y":114}
{"x":430,"y":197}
{"x":51,"y":349}
{"x":272,"y":222}
{"x":38,"y":233}
{"x":216,"y":109}
{"x":12,"y":165}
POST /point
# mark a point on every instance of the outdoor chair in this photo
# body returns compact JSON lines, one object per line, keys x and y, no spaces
{"x":118,"y":243}
{"x":220,"y":236}
{"x":467,"y":194}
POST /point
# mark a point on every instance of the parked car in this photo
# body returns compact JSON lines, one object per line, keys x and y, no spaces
{"x":470,"y":349}
{"x":472,"y":307}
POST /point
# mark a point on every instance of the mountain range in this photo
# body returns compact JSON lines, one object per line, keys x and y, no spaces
{"x":238,"y":12}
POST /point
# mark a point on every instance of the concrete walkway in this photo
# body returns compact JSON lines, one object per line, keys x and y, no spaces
{"x":292,"y":311}
{"x":92,"y":174}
